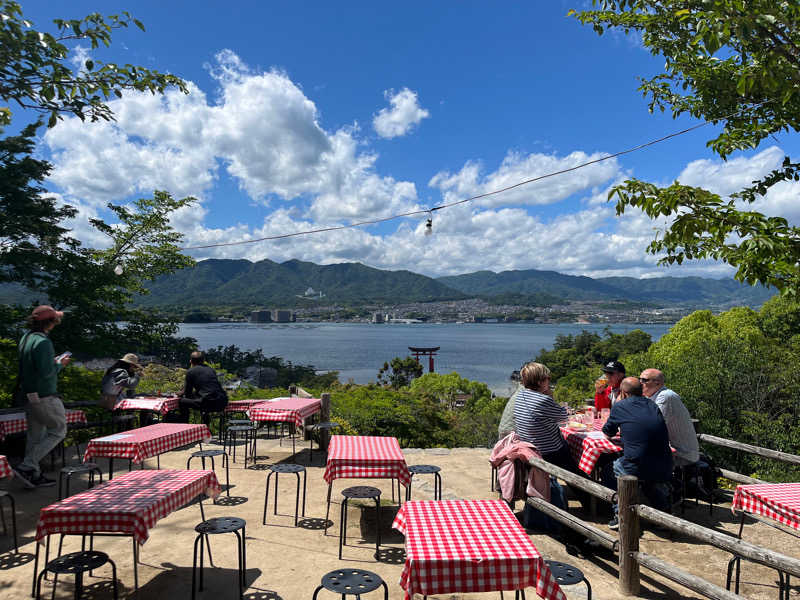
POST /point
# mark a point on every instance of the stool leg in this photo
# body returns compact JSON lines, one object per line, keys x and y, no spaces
{"x":297,"y":499}
{"x":3,"y":518}
{"x":244,"y":552}
{"x":241,"y":566}
{"x":276,"y":494}
{"x":14,"y":518}
{"x":385,"y":590}
{"x":378,"y":526}
{"x":114,"y":578}
{"x":69,"y":477}
{"x":328,"y":508}
{"x":437,"y":480}
{"x":342,"y":526}
{"x":588,"y":589}
{"x":38,"y":584}
{"x":227,"y":475}
{"x":266,"y":500}
{"x":305,"y":476}
{"x":135,"y":564}
{"x":194,"y":565}
{"x":78,"y":585}
{"x":408,"y":487}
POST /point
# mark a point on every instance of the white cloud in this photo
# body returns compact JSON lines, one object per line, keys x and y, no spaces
{"x":405,"y":114}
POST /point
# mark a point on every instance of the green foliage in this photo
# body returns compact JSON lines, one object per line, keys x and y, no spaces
{"x":399,"y":372}
{"x":730,"y":62}
{"x":36,"y":69}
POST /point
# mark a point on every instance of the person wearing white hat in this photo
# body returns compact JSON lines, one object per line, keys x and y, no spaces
{"x":38,"y":380}
{"x":119,"y":380}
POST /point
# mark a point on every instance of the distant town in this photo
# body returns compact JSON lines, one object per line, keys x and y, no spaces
{"x":465,"y":311}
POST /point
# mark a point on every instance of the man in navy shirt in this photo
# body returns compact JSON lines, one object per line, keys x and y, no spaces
{"x":645,"y":441}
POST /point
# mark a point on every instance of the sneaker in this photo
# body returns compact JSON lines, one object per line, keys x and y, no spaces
{"x":42,"y":481}
{"x":25,"y":476}
{"x":613,"y":524}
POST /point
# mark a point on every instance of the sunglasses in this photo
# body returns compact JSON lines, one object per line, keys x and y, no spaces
{"x":645,"y":380}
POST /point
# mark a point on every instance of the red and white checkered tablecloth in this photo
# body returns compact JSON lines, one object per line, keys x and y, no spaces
{"x":587,"y":446}
{"x":465,"y":546}
{"x":365,"y":457}
{"x":17,"y":423}
{"x":778,"y":501}
{"x":130,"y":504}
{"x":144,"y":442}
{"x":245,"y":405}
{"x":295,"y":410}
{"x":5,"y":468}
{"x":155,"y":404}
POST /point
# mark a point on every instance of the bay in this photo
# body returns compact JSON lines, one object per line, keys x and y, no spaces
{"x":486,"y":352}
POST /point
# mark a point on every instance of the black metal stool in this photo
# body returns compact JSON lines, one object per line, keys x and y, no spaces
{"x":360,"y":492}
{"x":122,"y":422}
{"x":315,"y":428}
{"x":425,"y":470}
{"x":13,"y":507}
{"x":76,"y":563}
{"x":567,"y":575}
{"x":285,"y":468}
{"x":232,"y":436}
{"x":203,"y":455}
{"x":352,"y":582}
{"x":213,"y":527}
{"x":67,"y":473}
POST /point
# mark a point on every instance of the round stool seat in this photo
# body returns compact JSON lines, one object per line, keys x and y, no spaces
{"x":207,"y":453}
{"x":324,"y":425}
{"x":220,"y":525}
{"x":423,"y":469}
{"x":361,"y":491}
{"x":239,"y":422}
{"x":565,"y":574}
{"x":77,"y":562}
{"x":286,"y":468}
{"x":242,"y":428}
{"x":81,"y":468}
{"x":351,"y":581}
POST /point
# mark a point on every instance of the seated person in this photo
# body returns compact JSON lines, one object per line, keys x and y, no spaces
{"x":606,"y":394}
{"x":682,"y":435}
{"x":202,"y":390}
{"x":507,"y":424}
{"x":645,"y":442}
{"x":120,"y":381}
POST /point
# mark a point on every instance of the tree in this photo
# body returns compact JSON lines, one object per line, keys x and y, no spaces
{"x":399,"y":372}
{"x":734,"y":63}
{"x":35,"y":72}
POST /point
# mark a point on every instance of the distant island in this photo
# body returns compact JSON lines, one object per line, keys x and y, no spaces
{"x":230,"y":290}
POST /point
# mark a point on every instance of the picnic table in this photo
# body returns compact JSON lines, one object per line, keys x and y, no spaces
{"x":16,"y":422}
{"x":138,"y":444}
{"x":5,"y":468}
{"x":245,"y":405}
{"x":284,"y":410}
{"x":367,"y":457}
{"x":462,"y":546}
{"x":157,"y":404}
{"x":588,"y":445}
{"x":129,"y":505}
{"x":777,"y":501}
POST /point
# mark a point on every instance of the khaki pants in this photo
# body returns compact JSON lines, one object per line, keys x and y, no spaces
{"x":47,"y":426}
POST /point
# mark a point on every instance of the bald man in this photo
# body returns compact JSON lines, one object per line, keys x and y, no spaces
{"x":682,"y":435}
{"x":645,"y":443}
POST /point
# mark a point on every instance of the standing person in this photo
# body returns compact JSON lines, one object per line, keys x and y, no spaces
{"x":44,"y":410}
{"x":120,"y":380}
{"x":645,"y":443}
{"x":202,"y":390}
{"x":606,"y":395}
{"x":682,"y":435}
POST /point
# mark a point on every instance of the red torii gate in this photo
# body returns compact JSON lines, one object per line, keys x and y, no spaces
{"x":429,"y":352}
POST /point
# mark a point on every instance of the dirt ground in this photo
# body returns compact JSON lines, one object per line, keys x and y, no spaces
{"x":287,"y":562}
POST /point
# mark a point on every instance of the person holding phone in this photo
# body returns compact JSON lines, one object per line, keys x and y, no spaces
{"x":44,"y":410}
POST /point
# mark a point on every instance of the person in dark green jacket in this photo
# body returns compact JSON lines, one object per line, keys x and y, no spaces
{"x":44,"y":410}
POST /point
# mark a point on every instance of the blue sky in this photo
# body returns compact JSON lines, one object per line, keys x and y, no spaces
{"x":312,"y":114}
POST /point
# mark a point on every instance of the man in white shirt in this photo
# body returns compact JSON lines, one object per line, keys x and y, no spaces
{"x":682,"y":435}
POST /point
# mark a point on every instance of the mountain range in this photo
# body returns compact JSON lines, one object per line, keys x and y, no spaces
{"x":222,"y":282}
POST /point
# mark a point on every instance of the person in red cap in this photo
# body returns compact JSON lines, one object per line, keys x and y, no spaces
{"x":44,"y":410}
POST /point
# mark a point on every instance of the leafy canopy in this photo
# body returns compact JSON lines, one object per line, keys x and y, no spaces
{"x":35,"y":72}
{"x":735,"y":63}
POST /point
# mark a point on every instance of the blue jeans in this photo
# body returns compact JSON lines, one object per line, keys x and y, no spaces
{"x":658,"y":493}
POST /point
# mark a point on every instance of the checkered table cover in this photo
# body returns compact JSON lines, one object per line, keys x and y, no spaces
{"x":144,"y":442}
{"x":130,"y":504}
{"x":155,"y":404}
{"x":586,"y":450}
{"x":5,"y":468}
{"x":778,"y":501}
{"x":285,"y":409}
{"x":17,"y":423}
{"x":245,"y":405}
{"x":365,"y":457}
{"x":463,"y":546}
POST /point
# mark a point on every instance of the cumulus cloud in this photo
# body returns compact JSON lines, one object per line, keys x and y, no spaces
{"x":401,"y":117}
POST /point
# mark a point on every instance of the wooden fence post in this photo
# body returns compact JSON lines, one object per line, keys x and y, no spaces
{"x":325,"y":415}
{"x":627,"y":492}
